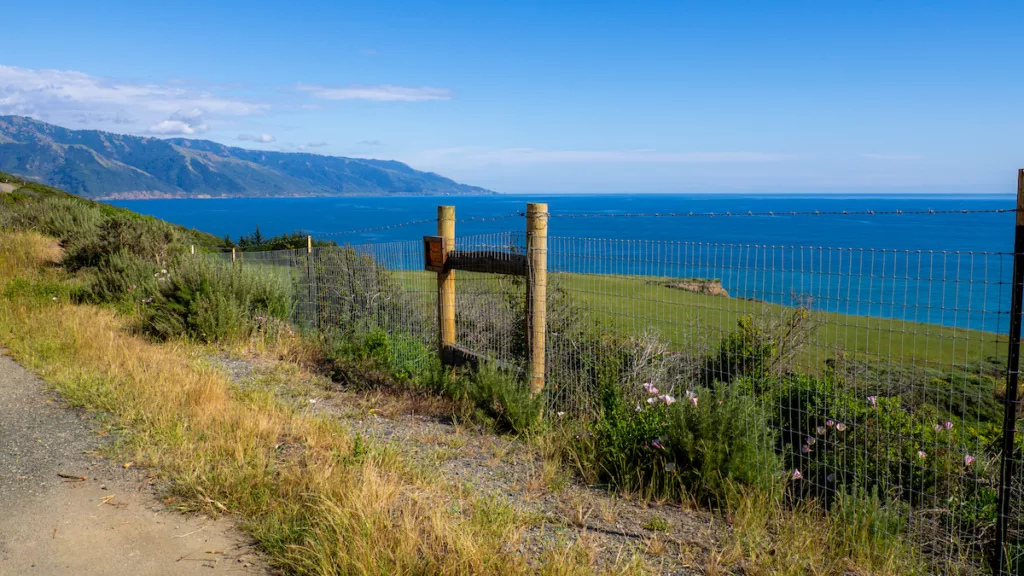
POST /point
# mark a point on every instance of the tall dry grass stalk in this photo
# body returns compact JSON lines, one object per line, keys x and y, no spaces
{"x":26,"y":255}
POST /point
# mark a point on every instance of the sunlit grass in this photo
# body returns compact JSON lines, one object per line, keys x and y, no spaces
{"x":320,"y":500}
{"x":317,"y":500}
{"x":638,"y":304}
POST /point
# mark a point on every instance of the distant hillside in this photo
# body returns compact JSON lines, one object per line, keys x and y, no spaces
{"x":103,"y":165}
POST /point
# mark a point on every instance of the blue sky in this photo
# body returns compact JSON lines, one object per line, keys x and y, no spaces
{"x":554,"y":96}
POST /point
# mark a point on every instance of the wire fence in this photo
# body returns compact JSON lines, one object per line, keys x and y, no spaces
{"x":882,"y":373}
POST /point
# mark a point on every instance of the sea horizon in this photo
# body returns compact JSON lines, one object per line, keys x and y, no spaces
{"x":959,"y":250}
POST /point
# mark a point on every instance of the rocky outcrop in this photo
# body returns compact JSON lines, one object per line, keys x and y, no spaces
{"x":711,"y":287}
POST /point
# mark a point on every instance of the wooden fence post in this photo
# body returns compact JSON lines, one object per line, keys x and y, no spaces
{"x":446,"y":279}
{"x":536,"y":291}
{"x":193,"y":247}
{"x":232,"y":254}
{"x":313,"y":310}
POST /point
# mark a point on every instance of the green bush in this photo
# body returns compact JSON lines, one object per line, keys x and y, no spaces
{"x":844,"y":442}
{"x":376,"y":359}
{"x":499,"y":397}
{"x":152,"y":240}
{"x":122,"y":276}
{"x":760,"y":347}
{"x":64,"y":218}
{"x":67,"y":219}
{"x":629,"y":448}
{"x":718,"y":437}
{"x":209,"y":301}
{"x":747,"y":351}
{"x":703,"y":443}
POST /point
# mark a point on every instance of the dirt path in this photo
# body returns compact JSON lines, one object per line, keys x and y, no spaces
{"x":112,"y":522}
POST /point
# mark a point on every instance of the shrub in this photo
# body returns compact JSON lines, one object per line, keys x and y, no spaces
{"x":629,"y":450}
{"x":718,"y":437}
{"x":363,"y":293}
{"x":499,"y":397}
{"x":67,"y":219}
{"x":704,"y":442}
{"x":120,"y":276}
{"x":761,"y":346}
{"x":151,"y":240}
{"x":64,"y":218}
{"x":842,"y":442}
{"x":209,"y":301}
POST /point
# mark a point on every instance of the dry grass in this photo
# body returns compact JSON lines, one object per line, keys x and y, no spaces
{"x":26,"y":256}
{"x":767,"y":538}
{"x":317,"y":500}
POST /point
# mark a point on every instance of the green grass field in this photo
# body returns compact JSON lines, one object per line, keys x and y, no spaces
{"x":632,"y":305}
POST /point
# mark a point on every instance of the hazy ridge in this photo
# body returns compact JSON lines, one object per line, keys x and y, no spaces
{"x":103,"y":165}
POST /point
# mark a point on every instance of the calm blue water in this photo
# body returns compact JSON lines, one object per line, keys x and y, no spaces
{"x":948,"y":269}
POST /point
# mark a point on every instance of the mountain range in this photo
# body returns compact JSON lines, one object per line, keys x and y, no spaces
{"x":103,"y":166}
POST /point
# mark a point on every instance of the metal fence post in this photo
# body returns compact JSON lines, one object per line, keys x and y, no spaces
{"x":1006,"y":471}
{"x":446,"y":280}
{"x":536,"y":291}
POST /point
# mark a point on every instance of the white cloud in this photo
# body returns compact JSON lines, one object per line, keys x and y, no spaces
{"x":265,"y":138}
{"x":70,"y":97}
{"x":520,"y":156}
{"x":175,"y":127}
{"x":182,"y":122}
{"x":382,"y":93}
{"x":892,"y":156}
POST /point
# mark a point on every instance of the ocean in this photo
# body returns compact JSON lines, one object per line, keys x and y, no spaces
{"x":942,"y":268}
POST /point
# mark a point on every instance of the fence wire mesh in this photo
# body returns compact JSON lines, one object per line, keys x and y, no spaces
{"x":882,"y":373}
{"x":490,"y":308}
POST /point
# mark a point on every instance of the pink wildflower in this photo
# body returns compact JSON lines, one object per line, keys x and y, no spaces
{"x":840,"y":426}
{"x":652,"y":400}
{"x":806,"y":448}
{"x":667,"y":399}
{"x":947,"y":425}
{"x":693,"y":400}
{"x":968,"y":460}
{"x":937,"y":427}
{"x":922,"y":454}
{"x":650,"y":388}
{"x":820,"y":430}
{"x":830,"y":423}
{"x":873,"y":400}
{"x":797,"y":475}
